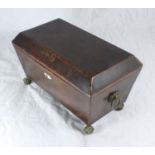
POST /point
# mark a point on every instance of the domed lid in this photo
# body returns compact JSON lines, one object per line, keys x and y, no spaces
{"x":86,"y":61}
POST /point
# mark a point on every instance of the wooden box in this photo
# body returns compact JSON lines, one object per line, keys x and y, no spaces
{"x":88,"y":75}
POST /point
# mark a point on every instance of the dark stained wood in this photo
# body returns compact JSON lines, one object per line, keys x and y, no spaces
{"x":84,"y":68}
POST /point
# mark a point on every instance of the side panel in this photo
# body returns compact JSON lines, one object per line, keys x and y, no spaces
{"x":99,"y":104}
{"x":114,"y":73}
{"x":75,"y":101}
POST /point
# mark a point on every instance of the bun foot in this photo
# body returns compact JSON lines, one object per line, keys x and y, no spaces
{"x":27,"y":81}
{"x":88,"y":130}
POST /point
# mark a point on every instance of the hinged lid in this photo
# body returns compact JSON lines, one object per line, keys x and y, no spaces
{"x":82,"y":59}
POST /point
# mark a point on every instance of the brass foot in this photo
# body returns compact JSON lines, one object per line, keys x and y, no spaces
{"x":27,"y":81}
{"x":89,"y":130}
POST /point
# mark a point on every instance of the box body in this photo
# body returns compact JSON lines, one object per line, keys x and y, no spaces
{"x":77,"y":68}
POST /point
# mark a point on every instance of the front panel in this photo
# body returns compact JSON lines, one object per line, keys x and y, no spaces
{"x":77,"y":102}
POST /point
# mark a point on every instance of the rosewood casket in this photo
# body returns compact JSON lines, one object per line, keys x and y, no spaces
{"x":90,"y":76}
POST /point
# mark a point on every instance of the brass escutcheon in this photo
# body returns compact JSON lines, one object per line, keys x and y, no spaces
{"x":47,"y":76}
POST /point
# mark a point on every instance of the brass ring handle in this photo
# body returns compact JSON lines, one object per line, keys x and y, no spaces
{"x":114,"y":99}
{"x":115,"y":103}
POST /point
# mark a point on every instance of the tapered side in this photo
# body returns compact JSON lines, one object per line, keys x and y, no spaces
{"x":100,"y":105}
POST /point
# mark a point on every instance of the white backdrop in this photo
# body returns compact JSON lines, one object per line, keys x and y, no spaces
{"x":30,"y":117}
